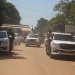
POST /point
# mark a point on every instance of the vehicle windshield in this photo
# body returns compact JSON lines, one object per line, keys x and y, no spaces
{"x":3,"y":35}
{"x":33,"y":36}
{"x":63,"y":37}
{"x":17,"y":35}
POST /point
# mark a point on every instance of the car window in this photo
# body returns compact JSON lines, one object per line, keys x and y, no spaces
{"x":33,"y":36}
{"x":3,"y":35}
{"x":63,"y":37}
{"x":17,"y":35}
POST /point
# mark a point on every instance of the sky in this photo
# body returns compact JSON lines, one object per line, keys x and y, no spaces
{"x":32,"y":10}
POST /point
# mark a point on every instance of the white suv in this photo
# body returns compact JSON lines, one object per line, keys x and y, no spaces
{"x":4,"y":41}
{"x":61,"y":44}
{"x":33,"y":39}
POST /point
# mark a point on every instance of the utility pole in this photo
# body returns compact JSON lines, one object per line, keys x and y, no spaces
{"x":32,"y":28}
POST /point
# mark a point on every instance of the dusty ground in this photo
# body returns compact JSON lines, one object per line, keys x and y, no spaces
{"x":34,"y":61}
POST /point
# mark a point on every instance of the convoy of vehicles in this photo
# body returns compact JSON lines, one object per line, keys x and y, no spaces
{"x":33,"y":39}
{"x":61,"y":44}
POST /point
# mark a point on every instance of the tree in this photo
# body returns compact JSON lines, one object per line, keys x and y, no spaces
{"x":65,"y":16}
{"x":41,"y":24}
{"x":2,"y":14}
{"x":57,"y":23}
{"x":8,"y":13}
{"x":67,"y":8}
{"x":11,"y":14}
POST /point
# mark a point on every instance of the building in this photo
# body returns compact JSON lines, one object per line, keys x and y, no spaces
{"x":22,"y":29}
{"x":70,"y":29}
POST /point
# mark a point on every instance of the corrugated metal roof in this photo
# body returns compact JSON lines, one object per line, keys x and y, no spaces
{"x":23,"y":27}
{"x":26,"y":29}
{"x":10,"y":25}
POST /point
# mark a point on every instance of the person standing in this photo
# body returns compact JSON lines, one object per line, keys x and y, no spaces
{"x":11,"y":37}
{"x":48,"y":39}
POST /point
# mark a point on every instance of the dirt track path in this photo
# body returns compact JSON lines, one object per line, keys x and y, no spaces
{"x":34,"y":61}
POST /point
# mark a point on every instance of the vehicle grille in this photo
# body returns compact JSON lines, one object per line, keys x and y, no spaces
{"x":67,"y":46}
{"x":31,"y":40}
{"x":3,"y":48}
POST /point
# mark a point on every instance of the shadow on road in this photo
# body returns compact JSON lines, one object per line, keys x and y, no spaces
{"x":35,"y":46}
{"x":12,"y":55}
{"x":17,"y":50}
{"x":65,"y":58}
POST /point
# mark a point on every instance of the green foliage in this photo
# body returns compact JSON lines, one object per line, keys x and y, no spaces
{"x":65,"y":16}
{"x":8,"y":13}
{"x":2,"y":15}
{"x":11,"y":14}
{"x":41,"y":24}
{"x":57,"y":23}
{"x":67,"y":8}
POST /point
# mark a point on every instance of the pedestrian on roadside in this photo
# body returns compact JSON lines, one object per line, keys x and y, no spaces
{"x":48,"y":39}
{"x":12,"y":36}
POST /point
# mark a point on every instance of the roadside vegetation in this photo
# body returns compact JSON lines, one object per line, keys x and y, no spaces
{"x":8,"y":13}
{"x":65,"y":16}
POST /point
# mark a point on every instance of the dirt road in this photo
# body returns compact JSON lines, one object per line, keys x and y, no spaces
{"x":34,"y":61}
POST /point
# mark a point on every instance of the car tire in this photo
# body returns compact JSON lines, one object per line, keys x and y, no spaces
{"x":50,"y":53}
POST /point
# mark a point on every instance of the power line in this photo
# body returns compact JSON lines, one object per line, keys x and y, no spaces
{"x":48,"y":15}
{"x":33,"y":9}
{"x":34,"y":17}
{"x":29,"y":16}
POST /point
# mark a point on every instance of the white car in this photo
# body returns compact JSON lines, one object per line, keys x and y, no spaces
{"x":17,"y":39}
{"x":61,"y":44}
{"x":33,"y":39}
{"x":4,"y":41}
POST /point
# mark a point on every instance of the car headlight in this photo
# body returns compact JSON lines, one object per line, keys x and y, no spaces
{"x":4,"y":43}
{"x":56,"y":45}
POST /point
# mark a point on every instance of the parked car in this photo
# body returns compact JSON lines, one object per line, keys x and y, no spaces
{"x":33,"y":39}
{"x":61,"y":44}
{"x":4,"y":41}
{"x":17,"y":39}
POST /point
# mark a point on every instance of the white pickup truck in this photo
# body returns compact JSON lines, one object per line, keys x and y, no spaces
{"x":4,"y":41}
{"x":61,"y":44}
